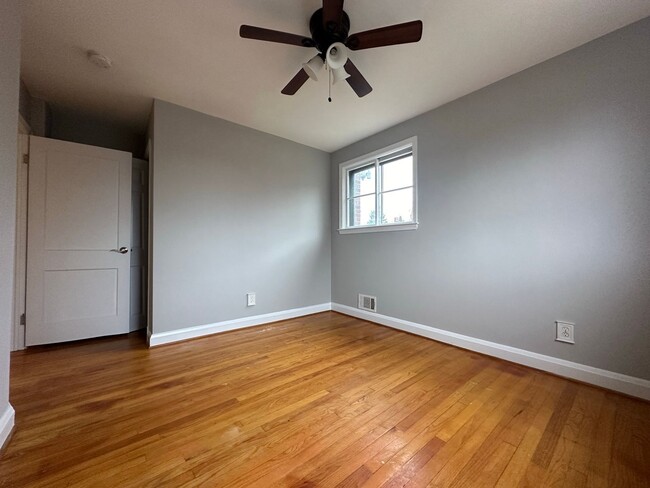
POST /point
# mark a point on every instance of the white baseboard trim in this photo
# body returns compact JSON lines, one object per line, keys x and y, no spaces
{"x":157,"y":339}
{"x":6,"y":424}
{"x":629,"y":385}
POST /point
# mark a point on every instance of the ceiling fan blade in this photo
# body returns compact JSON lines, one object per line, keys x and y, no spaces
{"x":261,"y":34}
{"x":386,"y":36}
{"x":356,"y":80}
{"x":332,"y":10}
{"x":296,"y":82}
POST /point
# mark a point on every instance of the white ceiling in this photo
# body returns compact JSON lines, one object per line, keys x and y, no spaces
{"x":190,"y":53}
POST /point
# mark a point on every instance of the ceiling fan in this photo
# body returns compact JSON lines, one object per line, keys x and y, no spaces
{"x":329,"y":27}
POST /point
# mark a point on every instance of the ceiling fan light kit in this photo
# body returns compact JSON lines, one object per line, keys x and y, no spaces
{"x":337,"y":55}
{"x":313,"y":66}
{"x":339,"y":74}
{"x":329,"y":27}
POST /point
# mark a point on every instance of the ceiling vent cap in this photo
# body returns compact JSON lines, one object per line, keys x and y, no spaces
{"x":99,"y":59}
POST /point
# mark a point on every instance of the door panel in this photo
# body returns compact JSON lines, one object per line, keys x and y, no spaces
{"x":79,"y":216}
{"x":81,"y":191}
{"x":79,"y":294}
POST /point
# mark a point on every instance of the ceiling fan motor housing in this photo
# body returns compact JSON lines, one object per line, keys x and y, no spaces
{"x":325,"y":36}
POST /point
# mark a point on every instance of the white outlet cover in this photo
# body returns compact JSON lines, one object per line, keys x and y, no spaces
{"x":250,"y":299}
{"x":564,"y":332}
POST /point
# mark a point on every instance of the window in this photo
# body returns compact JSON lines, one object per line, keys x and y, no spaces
{"x":378,"y":191}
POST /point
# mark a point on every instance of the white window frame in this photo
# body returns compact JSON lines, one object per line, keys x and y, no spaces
{"x":366,"y":159}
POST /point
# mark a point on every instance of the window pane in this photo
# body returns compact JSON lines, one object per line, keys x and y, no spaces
{"x":362,"y":181}
{"x":397,"y":206}
{"x":361,"y":211}
{"x":397,"y":174}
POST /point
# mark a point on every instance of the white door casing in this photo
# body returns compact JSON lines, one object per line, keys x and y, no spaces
{"x":79,"y":216}
{"x":20,"y":272}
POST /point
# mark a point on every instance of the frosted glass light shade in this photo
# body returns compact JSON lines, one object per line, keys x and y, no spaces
{"x":339,"y":74}
{"x":313,"y":66}
{"x":337,"y":55}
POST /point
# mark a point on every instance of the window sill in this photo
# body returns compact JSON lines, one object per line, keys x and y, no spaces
{"x":379,"y":228}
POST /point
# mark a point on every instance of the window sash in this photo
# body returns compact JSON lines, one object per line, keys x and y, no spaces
{"x":356,"y":170}
{"x":377,"y":163}
{"x":392,"y":190}
{"x":350,"y":210}
{"x":394,"y":156}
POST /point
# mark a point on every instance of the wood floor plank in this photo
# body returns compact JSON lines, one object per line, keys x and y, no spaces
{"x":516,"y":470}
{"x":468,"y":441}
{"x":546,"y":447}
{"x":320,"y":401}
{"x":337,"y":456}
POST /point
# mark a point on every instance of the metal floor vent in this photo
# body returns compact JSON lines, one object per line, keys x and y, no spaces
{"x":366,"y":302}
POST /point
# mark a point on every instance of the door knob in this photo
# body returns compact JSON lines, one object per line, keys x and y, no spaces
{"x":121,"y":250}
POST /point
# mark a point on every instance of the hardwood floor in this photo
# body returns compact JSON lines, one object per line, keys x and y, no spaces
{"x":322,"y":401}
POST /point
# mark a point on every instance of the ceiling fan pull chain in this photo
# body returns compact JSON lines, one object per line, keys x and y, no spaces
{"x":329,"y":79}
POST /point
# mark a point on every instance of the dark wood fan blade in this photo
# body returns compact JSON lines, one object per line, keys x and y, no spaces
{"x":296,"y":82}
{"x":386,"y":36}
{"x":261,"y":34}
{"x":356,"y":80}
{"x":332,"y":10}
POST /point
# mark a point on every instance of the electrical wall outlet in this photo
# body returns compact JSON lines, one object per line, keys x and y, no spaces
{"x":250,"y":299}
{"x":564,"y":332}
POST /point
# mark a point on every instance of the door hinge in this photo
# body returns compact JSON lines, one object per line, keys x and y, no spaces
{"x":23,"y":319}
{"x":25,"y":158}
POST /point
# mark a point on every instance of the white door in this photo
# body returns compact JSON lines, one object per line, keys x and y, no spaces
{"x":79,"y":236}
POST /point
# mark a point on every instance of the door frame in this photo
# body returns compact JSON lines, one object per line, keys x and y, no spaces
{"x":20,"y":269}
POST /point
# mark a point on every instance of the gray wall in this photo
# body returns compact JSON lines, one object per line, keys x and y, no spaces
{"x":534,"y":205}
{"x":234,"y":211}
{"x":25,"y":103}
{"x":9,"y":87}
{"x":35,"y":111}
{"x":74,"y":126}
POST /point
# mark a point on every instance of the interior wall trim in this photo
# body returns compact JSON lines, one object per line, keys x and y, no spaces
{"x":160,"y":338}
{"x":610,"y":380}
{"x":629,"y":385}
{"x":7,"y":420}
